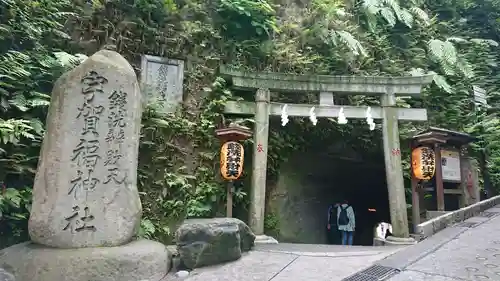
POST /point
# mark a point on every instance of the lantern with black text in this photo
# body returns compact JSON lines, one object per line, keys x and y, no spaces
{"x":231,"y":160}
{"x":423,"y":163}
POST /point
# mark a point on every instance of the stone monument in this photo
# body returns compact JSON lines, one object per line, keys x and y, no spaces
{"x":86,"y":208}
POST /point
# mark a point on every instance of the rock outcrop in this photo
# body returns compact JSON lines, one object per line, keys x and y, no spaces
{"x":203,"y":242}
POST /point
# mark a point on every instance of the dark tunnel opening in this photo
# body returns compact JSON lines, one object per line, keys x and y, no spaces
{"x":307,"y":193}
{"x":364,"y":187}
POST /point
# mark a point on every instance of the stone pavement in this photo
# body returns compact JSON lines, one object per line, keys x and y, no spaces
{"x":294,"y":262}
{"x":467,"y":251}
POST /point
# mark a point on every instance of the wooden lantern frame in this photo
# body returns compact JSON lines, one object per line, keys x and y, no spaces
{"x":236,"y":133}
{"x":438,"y":139}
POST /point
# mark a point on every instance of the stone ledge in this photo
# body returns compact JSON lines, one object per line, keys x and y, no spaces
{"x":138,"y":260}
{"x":264,"y":239}
{"x":439,"y":223}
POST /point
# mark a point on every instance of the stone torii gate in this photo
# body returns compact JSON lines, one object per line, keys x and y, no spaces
{"x":385,"y":87}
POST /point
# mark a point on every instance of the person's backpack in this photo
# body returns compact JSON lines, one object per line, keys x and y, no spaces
{"x":343,"y":218}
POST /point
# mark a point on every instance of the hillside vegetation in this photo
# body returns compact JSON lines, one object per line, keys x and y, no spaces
{"x":456,"y":41}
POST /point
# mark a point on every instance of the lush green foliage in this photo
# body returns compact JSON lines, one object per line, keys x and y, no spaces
{"x":31,"y":58}
{"x":453,"y":40}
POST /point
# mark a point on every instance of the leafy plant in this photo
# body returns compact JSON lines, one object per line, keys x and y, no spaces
{"x":14,"y":212}
{"x":247,"y":18}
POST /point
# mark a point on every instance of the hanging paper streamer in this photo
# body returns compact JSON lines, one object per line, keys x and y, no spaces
{"x":312,"y":116}
{"x":342,"y":119}
{"x":284,"y":115}
{"x":369,"y":119}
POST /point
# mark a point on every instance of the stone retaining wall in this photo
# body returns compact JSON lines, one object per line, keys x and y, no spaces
{"x":439,"y":223}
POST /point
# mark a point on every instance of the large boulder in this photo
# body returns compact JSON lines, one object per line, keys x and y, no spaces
{"x":203,"y":242}
{"x":138,"y":260}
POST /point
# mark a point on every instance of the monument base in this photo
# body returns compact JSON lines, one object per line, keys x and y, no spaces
{"x":378,"y":241}
{"x":138,"y":260}
{"x":398,"y":241}
{"x":264,"y":239}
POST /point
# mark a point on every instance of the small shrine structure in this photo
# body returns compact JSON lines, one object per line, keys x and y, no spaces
{"x":455,"y":183}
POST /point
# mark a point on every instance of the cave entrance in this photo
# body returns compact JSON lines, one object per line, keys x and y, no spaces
{"x":302,"y":196}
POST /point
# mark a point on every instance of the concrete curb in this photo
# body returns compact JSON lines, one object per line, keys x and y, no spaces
{"x":439,"y":223}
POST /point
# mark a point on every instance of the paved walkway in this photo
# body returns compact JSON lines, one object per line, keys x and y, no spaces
{"x":469,"y":251}
{"x":295,"y":262}
{"x":460,"y":253}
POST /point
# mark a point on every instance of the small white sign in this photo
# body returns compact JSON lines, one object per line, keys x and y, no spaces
{"x":450,"y":166}
{"x":479,"y":96}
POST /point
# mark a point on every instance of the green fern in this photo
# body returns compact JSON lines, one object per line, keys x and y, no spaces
{"x":13,"y":130}
{"x":441,"y":82}
{"x":435,"y":48}
{"x":391,"y":10}
{"x":445,"y":53}
{"x":465,"y":68}
{"x":421,"y":15}
{"x":371,"y":6}
{"x":488,"y":42}
{"x":449,"y":52}
{"x":346,"y":39}
{"x":406,"y":17}
{"x":388,"y":15}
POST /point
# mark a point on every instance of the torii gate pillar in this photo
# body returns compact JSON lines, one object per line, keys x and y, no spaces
{"x":393,"y":166}
{"x":259,"y":173}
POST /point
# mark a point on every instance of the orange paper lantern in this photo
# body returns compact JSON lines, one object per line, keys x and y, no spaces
{"x":231,"y":160}
{"x":423,"y":163}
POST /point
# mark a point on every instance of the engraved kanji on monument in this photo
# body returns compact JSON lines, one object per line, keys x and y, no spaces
{"x":85,"y":192}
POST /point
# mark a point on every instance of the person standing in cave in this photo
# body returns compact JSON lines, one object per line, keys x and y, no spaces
{"x":332,"y":230}
{"x":346,"y":222}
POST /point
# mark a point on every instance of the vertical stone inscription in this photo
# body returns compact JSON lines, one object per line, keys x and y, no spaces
{"x":115,"y":137}
{"x":86,"y":153}
{"x":80,"y":221}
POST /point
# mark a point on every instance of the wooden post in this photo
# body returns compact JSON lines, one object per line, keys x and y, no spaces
{"x":393,"y":166}
{"x":229,"y":202}
{"x":439,"y":179}
{"x":415,"y":203}
{"x":415,"y":196}
{"x":259,"y":165}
